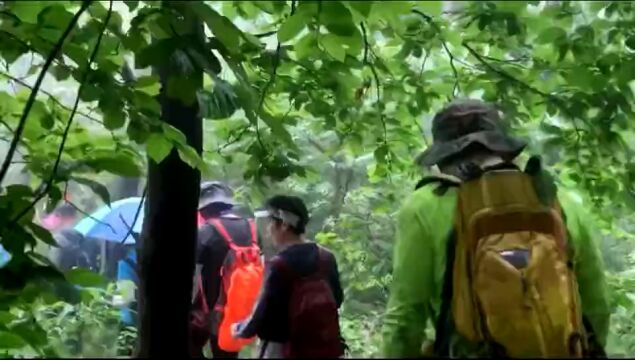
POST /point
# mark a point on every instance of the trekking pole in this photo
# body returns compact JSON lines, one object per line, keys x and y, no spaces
{"x":263,"y":349}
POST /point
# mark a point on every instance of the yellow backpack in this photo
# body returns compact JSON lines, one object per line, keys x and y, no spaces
{"x":513,"y":290}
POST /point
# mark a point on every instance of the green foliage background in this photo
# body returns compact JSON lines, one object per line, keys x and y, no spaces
{"x":328,"y":100}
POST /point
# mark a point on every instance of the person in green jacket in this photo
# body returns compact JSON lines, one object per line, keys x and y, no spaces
{"x":426,"y":218}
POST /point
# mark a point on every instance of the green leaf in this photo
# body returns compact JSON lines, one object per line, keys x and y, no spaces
{"x":96,"y":187}
{"x":513,"y":6}
{"x":291,"y":27}
{"x":11,"y":341}
{"x":158,"y":147}
{"x":363,"y":8}
{"x":27,"y":11}
{"x":157,"y":53}
{"x":120,"y":163}
{"x":221,"y":103}
{"x":114,"y":119}
{"x":132,"y":5}
{"x":189,"y":156}
{"x":430,"y":8}
{"x":221,"y":27}
{"x":552,"y":34}
{"x":337,"y":18}
{"x":629,"y":199}
{"x":333,"y":47}
{"x":205,"y":60}
{"x":630,"y":42}
{"x":40,"y":110}
{"x":183,"y":88}
{"x":60,"y":72}
{"x":41,"y":233}
{"x":84,"y":278}
{"x":55,"y":16}
{"x":174,"y":134}
{"x":305,"y":47}
{"x":145,"y":81}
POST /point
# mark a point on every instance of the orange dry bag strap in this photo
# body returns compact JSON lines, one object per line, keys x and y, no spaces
{"x":222,"y":231}
{"x":254,"y":235}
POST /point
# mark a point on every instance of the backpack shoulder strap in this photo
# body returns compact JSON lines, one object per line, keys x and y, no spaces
{"x":254,"y":233}
{"x":444,"y":323}
{"x":323,"y":259}
{"x":443,"y":183}
{"x":218,"y":224}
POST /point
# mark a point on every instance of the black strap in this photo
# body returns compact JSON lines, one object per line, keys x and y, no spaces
{"x":445,"y":323}
{"x":263,"y":349}
{"x":595,"y":349}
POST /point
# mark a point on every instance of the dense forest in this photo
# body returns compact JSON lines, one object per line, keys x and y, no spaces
{"x":327,"y":100}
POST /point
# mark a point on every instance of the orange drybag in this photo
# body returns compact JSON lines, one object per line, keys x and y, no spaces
{"x":241,"y":279}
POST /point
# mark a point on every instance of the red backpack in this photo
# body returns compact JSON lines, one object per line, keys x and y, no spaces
{"x":314,"y":321}
{"x":241,"y":279}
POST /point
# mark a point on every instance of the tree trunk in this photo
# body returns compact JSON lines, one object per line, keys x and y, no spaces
{"x":169,"y":234}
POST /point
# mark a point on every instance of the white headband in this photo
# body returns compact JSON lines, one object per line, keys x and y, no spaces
{"x":286,"y":217}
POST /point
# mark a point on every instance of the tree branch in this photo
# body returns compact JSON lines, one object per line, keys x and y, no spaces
{"x":561,"y":104}
{"x":51,"y":178}
{"x":51,"y":96}
{"x":29,"y":104}
{"x":428,"y":18}
{"x":81,"y":211}
{"x":236,"y":139}
{"x":266,"y":34}
{"x":136,"y":215}
{"x":4,"y":123}
{"x":367,"y":48}
{"x":272,"y":79}
{"x":554,"y":99}
{"x":34,"y":50}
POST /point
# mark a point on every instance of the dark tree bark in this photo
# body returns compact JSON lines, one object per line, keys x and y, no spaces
{"x":169,"y":234}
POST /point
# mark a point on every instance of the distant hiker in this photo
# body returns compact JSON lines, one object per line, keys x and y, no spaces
{"x":502,"y":264}
{"x":228,"y":276}
{"x":127,"y":271}
{"x":73,"y":249}
{"x":297,"y":311}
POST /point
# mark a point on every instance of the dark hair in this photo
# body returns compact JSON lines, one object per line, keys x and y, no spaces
{"x":294,"y":205}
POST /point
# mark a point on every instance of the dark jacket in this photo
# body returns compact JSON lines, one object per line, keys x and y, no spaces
{"x":74,"y":250}
{"x":270,"y":318}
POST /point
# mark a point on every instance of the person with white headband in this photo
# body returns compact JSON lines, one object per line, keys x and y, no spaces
{"x":296,"y":314}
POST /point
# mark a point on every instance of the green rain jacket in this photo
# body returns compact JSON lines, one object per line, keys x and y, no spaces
{"x":424,"y":222}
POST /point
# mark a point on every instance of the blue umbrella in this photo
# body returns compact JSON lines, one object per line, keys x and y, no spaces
{"x":112,"y":223}
{"x":5,"y":256}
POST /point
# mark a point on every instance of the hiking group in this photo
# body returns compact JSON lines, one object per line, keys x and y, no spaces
{"x":291,"y":304}
{"x":498,"y":259}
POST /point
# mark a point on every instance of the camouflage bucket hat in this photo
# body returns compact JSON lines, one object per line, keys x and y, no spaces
{"x":466,"y":122}
{"x":215,"y":192}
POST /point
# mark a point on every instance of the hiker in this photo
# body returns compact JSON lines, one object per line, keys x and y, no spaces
{"x":127,"y":272}
{"x":73,"y":249}
{"x":297,"y":311}
{"x":482,"y":252}
{"x":228,"y":275}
